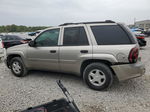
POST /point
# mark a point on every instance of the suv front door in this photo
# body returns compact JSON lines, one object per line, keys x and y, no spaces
{"x":75,"y":48}
{"x":44,"y":55}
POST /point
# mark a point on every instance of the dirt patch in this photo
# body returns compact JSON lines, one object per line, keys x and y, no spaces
{"x":93,"y":108}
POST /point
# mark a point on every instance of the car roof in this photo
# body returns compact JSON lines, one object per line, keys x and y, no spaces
{"x":8,"y":36}
{"x":95,"y":22}
{"x":80,"y":23}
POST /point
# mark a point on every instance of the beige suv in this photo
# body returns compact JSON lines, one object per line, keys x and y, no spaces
{"x":97,"y":51}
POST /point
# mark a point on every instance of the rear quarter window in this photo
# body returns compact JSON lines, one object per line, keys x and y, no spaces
{"x":110,"y":35}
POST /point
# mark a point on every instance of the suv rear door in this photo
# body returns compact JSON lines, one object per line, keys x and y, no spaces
{"x":75,"y":48}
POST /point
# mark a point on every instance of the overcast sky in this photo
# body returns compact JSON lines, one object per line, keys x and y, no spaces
{"x":55,"y":12}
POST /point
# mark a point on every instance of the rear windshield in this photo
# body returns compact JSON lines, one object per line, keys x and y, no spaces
{"x":110,"y":35}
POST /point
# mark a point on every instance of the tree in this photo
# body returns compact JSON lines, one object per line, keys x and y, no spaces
{"x":21,"y":28}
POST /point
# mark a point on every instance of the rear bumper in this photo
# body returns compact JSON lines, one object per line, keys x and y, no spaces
{"x":128,"y":71}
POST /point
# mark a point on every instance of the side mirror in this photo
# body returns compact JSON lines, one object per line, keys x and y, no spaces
{"x":31,"y":43}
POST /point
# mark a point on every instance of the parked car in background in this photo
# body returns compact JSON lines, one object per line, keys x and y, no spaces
{"x":1,"y":49}
{"x":147,"y":32}
{"x":141,"y":39}
{"x":12,"y":40}
{"x":34,"y":33}
{"x":137,"y":30}
{"x":140,"y":36}
{"x":96,"y":51}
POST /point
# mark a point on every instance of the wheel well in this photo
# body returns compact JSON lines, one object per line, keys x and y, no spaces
{"x":87,"y":62}
{"x":10,"y":57}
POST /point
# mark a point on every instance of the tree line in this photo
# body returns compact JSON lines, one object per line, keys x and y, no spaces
{"x":20,"y":28}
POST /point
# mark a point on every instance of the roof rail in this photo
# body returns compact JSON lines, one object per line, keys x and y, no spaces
{"x":106,"y":21}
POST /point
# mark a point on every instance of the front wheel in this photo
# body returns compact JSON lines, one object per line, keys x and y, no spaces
{"x":98,"y":76}
{"x":17,"y":67}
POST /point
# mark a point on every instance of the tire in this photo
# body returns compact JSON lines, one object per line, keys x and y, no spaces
{"x":98,"y":76}
{"x":17,"y":67}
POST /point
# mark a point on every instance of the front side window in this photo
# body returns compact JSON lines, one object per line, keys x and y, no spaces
{"x":75,"y":36}
{"x":110,"y":35}
{"x":48,"y":38}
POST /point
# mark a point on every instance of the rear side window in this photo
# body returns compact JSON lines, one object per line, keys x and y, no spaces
{"x":75,"y":36}
{"x":110,"y":35}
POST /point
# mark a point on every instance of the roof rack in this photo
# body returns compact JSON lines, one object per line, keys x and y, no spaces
{"x":106,"y":21}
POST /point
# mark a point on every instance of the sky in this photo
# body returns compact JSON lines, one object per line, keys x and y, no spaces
{"x":55,"y":12}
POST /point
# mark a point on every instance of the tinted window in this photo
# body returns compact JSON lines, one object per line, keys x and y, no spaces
{"x":3,"y":37}
{"x":75,"y":36}
{"x":110,"y":35}
{"x":48,"y":38}
{"x":12,"y":37}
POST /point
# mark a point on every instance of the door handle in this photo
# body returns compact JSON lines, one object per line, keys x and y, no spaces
{"x":84,"y":51}
{"x":52,"y":51}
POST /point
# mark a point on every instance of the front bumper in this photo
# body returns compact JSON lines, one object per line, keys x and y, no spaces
{"x":128,"y":71}
{"x":2,"y":54}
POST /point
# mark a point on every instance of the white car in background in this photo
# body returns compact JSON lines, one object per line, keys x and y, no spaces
{"x":2,"y":50}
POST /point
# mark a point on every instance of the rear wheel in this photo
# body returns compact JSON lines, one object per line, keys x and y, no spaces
{"x":98,"y":76}
{"x":17,"y":67}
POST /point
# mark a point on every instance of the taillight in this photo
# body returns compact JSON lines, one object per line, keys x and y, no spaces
{"x":133,"y":55}
{"x":140,"y":37}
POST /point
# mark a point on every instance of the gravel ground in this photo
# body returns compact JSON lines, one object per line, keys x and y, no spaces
{"x":40,"y":87}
